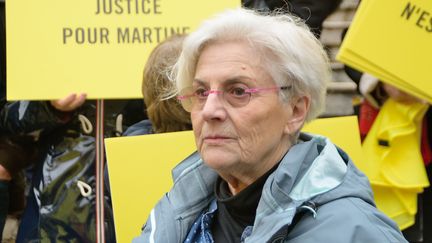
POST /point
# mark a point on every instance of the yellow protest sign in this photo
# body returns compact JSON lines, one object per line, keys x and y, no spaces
{"x":140,"y":167}
{"x":390,"y":39}
{"x":140,"y":173}
{"x":99,"y":47}
{"x":342,"y":131}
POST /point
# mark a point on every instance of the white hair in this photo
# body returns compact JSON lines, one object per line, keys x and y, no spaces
{"x":290,"y":52}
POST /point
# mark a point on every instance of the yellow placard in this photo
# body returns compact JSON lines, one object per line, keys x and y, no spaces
{"x":99,"y":47}
{"x":362,"y":64}
{"x":140,"y":173}
{"x":391,"y":39}
{"x":140,"y":167}
{"x":342,"y":131}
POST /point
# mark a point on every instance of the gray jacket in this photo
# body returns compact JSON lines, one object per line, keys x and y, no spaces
{"x":313,"y":172}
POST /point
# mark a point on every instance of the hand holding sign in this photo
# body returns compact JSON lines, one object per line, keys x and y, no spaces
{"x":69,"y":103}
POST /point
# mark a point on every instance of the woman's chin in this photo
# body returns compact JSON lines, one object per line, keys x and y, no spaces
{"x":218,"y":159}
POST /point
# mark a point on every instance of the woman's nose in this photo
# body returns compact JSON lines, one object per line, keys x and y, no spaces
{"x":214,"y":107}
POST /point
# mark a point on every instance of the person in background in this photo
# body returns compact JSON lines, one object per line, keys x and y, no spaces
{"x":375,"y":93}
{"x":165,"y":114}
{"x":250,"y":82}
{"x":19,"y":147}
{"x":16,"y":153}
{"x":61,"y":204}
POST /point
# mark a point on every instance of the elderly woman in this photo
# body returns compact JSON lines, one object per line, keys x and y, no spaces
{"x":250,"y":82}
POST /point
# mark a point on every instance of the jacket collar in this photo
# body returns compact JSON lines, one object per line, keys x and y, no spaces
{"x":309,"y":169}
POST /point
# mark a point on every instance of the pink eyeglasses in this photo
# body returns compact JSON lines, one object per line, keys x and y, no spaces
{"x":193,"y":98}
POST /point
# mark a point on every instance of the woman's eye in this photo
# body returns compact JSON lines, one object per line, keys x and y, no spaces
{"x":238,"y":92}
{"x":201,"y":93}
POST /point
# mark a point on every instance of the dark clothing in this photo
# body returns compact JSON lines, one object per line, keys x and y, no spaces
{"x":140,"y":128}
{"x":2,"y":50}
{"x":4,"y":204}
{"x":235,"y":213}
{"x":17,"y":152}
{"x":68,"y":160}
{"x":313,"y":12}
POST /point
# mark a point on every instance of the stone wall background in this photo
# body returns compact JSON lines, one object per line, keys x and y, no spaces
{"x":342,"y":90}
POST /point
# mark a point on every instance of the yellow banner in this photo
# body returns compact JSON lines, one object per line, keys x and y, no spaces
{"x":391,"y":39}
{"x":99,"y":47}
{"x":140,"y":167}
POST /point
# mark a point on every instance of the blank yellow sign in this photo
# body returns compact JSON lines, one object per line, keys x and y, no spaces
{"x":55,"y":47}
{"x":140,"y":167}
{"x":342,"y":131}
{"x":140,"y":173}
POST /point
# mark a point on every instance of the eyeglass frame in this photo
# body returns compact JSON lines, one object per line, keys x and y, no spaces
{"x":248,"y":91}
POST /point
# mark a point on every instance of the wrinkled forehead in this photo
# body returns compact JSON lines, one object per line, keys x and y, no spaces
{"x":233,"y":47}
{"x":230,"y":62}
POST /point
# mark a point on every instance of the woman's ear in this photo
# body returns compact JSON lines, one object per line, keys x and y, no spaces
{"x":299,"y":107}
